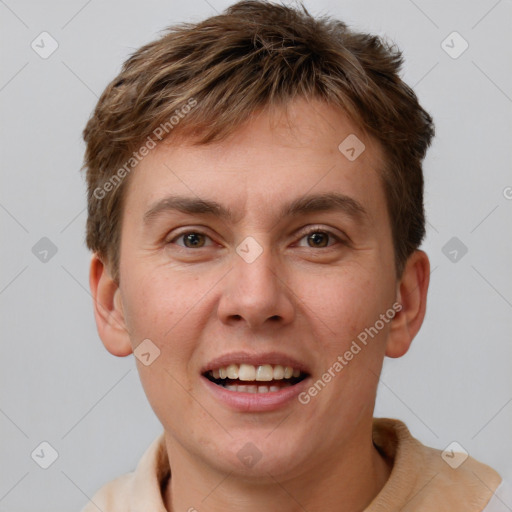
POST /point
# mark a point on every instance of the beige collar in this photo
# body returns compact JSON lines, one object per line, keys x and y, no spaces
{"x":420,"y":479}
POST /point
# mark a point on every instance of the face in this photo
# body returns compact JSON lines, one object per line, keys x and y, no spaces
{"x":260,"y":257}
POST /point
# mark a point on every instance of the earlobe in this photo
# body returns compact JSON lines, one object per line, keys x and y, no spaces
{"x":108,"y":310}
{"x":412,"y":296}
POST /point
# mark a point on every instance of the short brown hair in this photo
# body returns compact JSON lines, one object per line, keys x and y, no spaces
{"x":222,"y":70}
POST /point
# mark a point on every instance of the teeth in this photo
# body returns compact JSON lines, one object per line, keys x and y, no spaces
{"x":246,"y":372}
{"x":265,"y":372}
{"x":242,"y":388}
{"x":249,"y":372}
{"x":232,"y":371}
{"x":278,"y":372}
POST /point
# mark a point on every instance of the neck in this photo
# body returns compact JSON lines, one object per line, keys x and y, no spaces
{"x":346,"y":482}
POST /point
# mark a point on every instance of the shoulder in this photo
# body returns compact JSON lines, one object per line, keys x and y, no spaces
{"x":425,"y":478}
{"x":113,"y":496}
{"x":501,"y":500}
{"x":139,"y":489}
{"x":467,"y":481}
{"x":459,"y":480}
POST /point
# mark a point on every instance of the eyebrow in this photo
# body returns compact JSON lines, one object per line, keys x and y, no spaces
{"x":304,"y":205}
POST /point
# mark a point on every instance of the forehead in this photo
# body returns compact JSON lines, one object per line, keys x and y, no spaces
{"x":265,"y":167}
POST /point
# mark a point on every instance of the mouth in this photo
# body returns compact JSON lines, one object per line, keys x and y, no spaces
{"x":249,"y":378}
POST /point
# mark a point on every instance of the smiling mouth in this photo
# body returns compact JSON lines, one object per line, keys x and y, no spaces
{"x":247,"y":378}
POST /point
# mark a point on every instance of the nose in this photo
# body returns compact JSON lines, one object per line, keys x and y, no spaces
{"x":256,"y":293}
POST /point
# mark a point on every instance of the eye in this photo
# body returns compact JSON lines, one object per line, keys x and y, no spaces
{"x":191,"y":239}
{"x":315,"y":238}
{"x":319,"y":238}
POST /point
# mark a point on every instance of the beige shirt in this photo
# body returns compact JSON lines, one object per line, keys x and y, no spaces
{"x":420,"y":479}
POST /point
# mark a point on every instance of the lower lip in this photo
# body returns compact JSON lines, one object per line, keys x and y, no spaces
{"x":255,"y":402}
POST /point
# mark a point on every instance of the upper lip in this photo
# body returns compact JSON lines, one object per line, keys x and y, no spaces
{"x":255,"y":359}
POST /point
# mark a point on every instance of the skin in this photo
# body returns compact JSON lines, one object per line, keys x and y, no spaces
{"x":304,"y":296}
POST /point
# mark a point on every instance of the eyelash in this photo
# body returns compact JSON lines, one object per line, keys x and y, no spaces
{"x":310,"y":231}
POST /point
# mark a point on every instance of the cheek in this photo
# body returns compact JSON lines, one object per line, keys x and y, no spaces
{"x":156,"y":306}
{"x":159,"y":307}
{"x":344,"y":302}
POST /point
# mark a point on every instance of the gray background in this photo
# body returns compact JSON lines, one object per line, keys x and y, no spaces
{"x":58,"y":383}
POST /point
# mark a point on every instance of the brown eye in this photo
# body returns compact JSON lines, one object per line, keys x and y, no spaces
{"x":318,"y":238}
{"x":191,"y":240}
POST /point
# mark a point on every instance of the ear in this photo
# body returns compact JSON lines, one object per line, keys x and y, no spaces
{"x":108,"y":309}
{"x":412,"y":295}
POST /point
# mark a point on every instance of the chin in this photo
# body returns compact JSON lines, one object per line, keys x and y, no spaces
{"x":258,"y":456}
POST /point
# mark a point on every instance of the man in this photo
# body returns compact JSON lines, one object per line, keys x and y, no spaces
{"x":255,"y":212}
